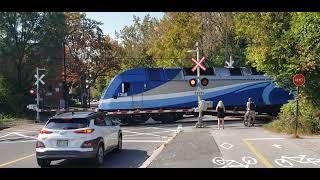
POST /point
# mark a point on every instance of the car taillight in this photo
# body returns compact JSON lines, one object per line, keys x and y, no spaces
{"x":84,"y":131}
{"x":45,"y":132}
{"x":40,"y":144}
{"x":87,"y":144}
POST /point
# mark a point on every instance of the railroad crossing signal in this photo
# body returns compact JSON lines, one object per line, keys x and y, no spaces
{"x":32,"y":92}
{"x":199,"y":64}
{"x":39,"y":79}
{"x":193,"y":82}
{"x":204,"y":81}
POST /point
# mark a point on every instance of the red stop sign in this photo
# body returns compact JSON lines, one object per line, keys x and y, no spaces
{"x":298,"y":79}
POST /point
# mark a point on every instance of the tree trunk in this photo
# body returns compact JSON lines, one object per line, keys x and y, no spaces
{"x":19,"y":76}
{"x":83,"y":92}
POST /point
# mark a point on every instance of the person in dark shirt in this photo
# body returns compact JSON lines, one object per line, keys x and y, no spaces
{"x":220,"y":113}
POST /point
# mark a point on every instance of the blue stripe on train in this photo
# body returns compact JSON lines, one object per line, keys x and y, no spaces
{"x":230,"y":97}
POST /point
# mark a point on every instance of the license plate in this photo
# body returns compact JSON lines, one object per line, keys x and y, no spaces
{"x":62,"y":143}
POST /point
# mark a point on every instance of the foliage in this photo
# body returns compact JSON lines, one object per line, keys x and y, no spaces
{"x":177,"y":33}
{"x":136,"y":41}
{"x":284,"y":44}
{"x":90,"y":53}
{"x":309,"y":119}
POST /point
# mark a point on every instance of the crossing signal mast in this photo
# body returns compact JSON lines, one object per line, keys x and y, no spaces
{"x":196,"y":82}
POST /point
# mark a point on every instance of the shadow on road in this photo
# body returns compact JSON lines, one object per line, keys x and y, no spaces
{"x":127,"y":158}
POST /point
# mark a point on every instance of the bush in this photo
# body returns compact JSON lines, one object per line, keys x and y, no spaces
{"x":308,"y":123}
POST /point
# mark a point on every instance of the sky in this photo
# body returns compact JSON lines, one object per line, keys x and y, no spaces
{"x":115,"y":21}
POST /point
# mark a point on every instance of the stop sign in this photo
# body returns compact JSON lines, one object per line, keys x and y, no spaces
{"x":298,"y":79}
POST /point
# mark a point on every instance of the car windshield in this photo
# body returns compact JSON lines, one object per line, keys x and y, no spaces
{"x":75,"y":123}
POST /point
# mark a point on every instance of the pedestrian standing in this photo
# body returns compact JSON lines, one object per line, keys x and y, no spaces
{"x":220,"y":113}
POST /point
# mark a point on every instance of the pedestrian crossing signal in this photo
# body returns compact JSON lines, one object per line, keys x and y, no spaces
{"x":204,"y":81}
{"x":193,"y":82}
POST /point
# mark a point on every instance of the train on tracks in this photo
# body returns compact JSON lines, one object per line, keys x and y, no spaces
{"x":164,"y":94}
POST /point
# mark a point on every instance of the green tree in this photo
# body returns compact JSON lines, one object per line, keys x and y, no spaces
{"x":90,"y":53}
{"x":177,"y":33}
{"x":136,"y":41}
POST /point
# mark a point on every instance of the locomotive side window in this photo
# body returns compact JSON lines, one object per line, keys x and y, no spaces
{"x":208,"y":72}
{"x":189,"y":72}
{"x":125,"y":87}
{"x":235,"y":71}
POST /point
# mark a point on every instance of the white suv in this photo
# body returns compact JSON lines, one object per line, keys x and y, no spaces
{"x":78,"y":135}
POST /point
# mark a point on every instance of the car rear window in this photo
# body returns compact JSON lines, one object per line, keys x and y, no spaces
{"x":75,"y":123}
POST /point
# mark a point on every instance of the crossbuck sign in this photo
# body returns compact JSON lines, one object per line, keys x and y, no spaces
{"x":199,"y":64}
{"x":39,"y":79}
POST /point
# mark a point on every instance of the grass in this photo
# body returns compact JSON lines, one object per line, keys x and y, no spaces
{"x":6,"y":120}
{"x":286,"y":126}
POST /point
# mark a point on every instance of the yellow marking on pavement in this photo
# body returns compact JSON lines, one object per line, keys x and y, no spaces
{"x":258,"y":154}
{"x":11,"y":162}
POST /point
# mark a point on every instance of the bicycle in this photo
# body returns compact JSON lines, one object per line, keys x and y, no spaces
{"x":247,"y":120}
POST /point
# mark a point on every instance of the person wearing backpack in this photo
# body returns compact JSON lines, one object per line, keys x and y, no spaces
{"x":251,"y":112}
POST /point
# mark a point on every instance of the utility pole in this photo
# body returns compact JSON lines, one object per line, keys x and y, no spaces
{"x":65,"y":85}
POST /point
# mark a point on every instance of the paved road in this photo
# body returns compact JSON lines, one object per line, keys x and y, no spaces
{"x":17,"y":147}
{"x":238,"y":147}
{"x":235,"y":146}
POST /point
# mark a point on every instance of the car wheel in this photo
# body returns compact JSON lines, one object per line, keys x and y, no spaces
{"x":119,"y":146}
{"x":43,"y":162}
{"x":98,"y":160}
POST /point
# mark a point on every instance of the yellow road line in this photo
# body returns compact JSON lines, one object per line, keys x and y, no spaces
{"x":11,"y":162}
{"x":258,"y":154}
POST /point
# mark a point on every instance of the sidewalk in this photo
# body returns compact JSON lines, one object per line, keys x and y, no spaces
{"x":190,"y":149}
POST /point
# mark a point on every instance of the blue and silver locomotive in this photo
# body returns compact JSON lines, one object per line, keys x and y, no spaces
{"x":168,"y":88}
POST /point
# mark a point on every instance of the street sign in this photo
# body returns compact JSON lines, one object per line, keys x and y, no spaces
{"x":298,"y":80}
{"x":39,"y":80}
{"x":199,"y":64}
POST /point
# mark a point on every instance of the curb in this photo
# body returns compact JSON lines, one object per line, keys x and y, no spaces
{"x":158,"y":151}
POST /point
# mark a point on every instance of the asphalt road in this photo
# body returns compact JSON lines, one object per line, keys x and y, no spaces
{"x":17,"y":147}
{"x":236,"y":146}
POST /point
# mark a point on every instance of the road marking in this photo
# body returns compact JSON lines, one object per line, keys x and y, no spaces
{"x":158,"y":151}
{"x":31,"y":137}
{"x":277,"y":146}
{"x":11,"y":162}
{"x":226,"y":146}
{"x":146,"y":141}
{"x":258,"y":154}
{"x":5,"y":135}
{"x":229,"y":163}
{"x":286,"y":161}
{"x":140,"y":134}
{"x":257,"y":139}
{"x":11,"y":142}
